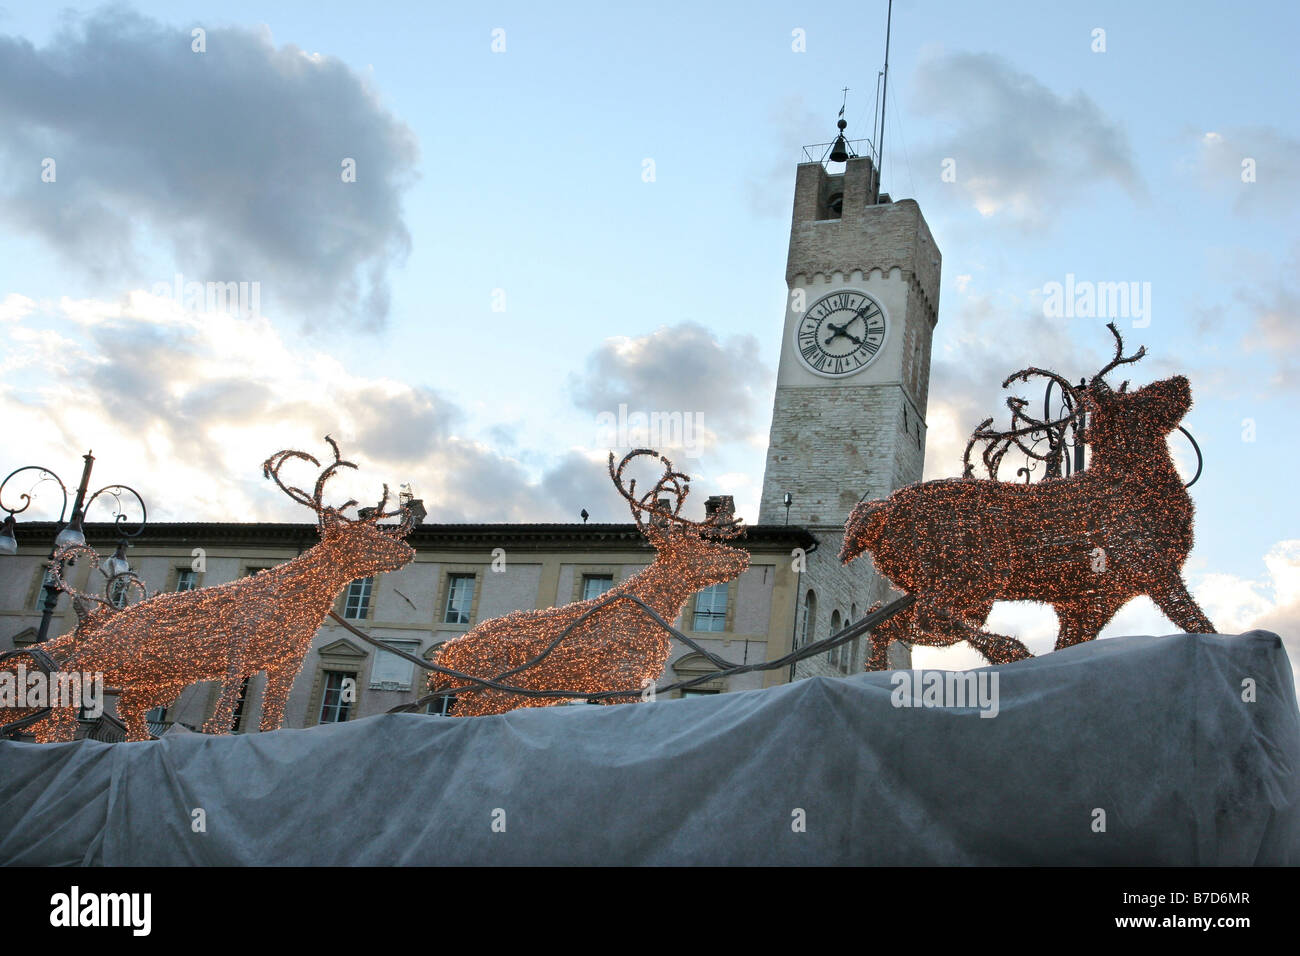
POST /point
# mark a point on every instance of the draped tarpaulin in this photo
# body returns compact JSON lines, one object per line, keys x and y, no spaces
{"x":1152,"y":732}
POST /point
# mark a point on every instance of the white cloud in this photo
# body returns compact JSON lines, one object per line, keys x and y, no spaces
{"x":1255,"y":166}
{"x":15,"y":306}
{"x":231,"y":160}
{"x":1022,"y":151}
{"x":185,"y":406}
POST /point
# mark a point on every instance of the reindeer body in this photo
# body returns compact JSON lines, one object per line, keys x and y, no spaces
{"x":619,"y":646}
{"x":156,"y":648}
{"x":1086,"y":544}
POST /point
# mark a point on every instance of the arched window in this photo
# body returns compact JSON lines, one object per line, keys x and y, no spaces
{"x":809,"y":617}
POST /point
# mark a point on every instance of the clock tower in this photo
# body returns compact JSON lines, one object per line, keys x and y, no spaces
{"x":849,"y":417}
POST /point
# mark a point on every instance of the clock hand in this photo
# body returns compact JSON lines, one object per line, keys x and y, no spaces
{"x":858,"y":315}
{"x":840,"y":330}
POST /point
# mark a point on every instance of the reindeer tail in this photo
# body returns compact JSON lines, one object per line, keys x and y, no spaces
{"x":862,"y":530}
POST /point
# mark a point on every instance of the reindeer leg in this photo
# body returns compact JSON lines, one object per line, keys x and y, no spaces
{"x":1172,"y":597}
{"x":219,"y":722}
{"x":58,"y":727}
{"x":996,"y":648}
{"x":275,"y":697}
{"x":880,"y":641}
{"x":885,"y":633}
{"x":133,"y":711}
{"x":937,"y":626}
{"x":1081,"y":621}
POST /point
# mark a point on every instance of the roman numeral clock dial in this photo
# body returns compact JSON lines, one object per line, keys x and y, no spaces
{"x":841,"y":333}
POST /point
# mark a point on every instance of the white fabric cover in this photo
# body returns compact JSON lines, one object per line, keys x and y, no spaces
{"x":1152,"y":730}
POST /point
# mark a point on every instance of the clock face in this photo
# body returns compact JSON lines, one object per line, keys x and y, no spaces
{"x":841,"y":333}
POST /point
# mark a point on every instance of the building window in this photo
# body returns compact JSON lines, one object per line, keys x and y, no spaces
{"x":356,"y":606}
{"x":594,"y":585}
{"x":809,"y":618}
{"x":391,"y":671}
{"x":187,"y":579}
{"x":837,"y":653}
{"x":239,"y":707}
{"x":711,"y":608}
{"x":336,"y":701}
{"x":441,"y":706}
{"x":696,"y":692}
{"x":460,"y":598}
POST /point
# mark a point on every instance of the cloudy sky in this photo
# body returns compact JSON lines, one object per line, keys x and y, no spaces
{"x":504,"y":270}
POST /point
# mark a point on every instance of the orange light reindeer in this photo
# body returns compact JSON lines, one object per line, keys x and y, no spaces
{"x":1086,"y":544}
{"x":618,"y":646}
{"x":156,"y":648}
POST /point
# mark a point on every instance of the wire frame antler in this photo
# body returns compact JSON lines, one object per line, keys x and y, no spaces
{"x":1027,"y":433}
{"x":1098,"y":380}
{"x":673,"y":487}
{"x":376,"y":514}
{"x":271,"y":469}
{"x":315,"y":501}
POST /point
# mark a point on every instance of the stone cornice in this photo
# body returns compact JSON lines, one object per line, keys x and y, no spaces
{"x":427,"y":537}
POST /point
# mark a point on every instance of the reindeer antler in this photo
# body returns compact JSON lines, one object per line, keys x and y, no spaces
{"x":1025,"y":426}
{"x":1000,"y":441}
{"x":674,"y":482}
{"x":1119,"y":358}
{"x":677,"y":485}
{"x":271,"y":469}
{"x":377,"y":513}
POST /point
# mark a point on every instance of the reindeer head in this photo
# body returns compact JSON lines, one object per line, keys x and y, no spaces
{"x":1124,"y":417}
{"x":1119,"y":418}
{"x":694,"y":550}
{"x":364,"y":546}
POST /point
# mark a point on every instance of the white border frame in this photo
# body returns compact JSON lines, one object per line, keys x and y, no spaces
{"x":794,"y":333}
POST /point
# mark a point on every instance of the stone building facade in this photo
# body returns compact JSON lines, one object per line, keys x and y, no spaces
{"x":461,"y":575}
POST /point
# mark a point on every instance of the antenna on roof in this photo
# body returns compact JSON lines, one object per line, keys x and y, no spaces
{"x":880,"y":147}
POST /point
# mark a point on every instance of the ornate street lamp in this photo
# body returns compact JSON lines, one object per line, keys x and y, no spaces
{"x":71,"y":534}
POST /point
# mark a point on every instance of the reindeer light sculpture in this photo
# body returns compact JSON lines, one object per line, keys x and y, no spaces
{"x":152,"y":650}
{"x":1086,"y":544}
{"x":613,"y":645}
